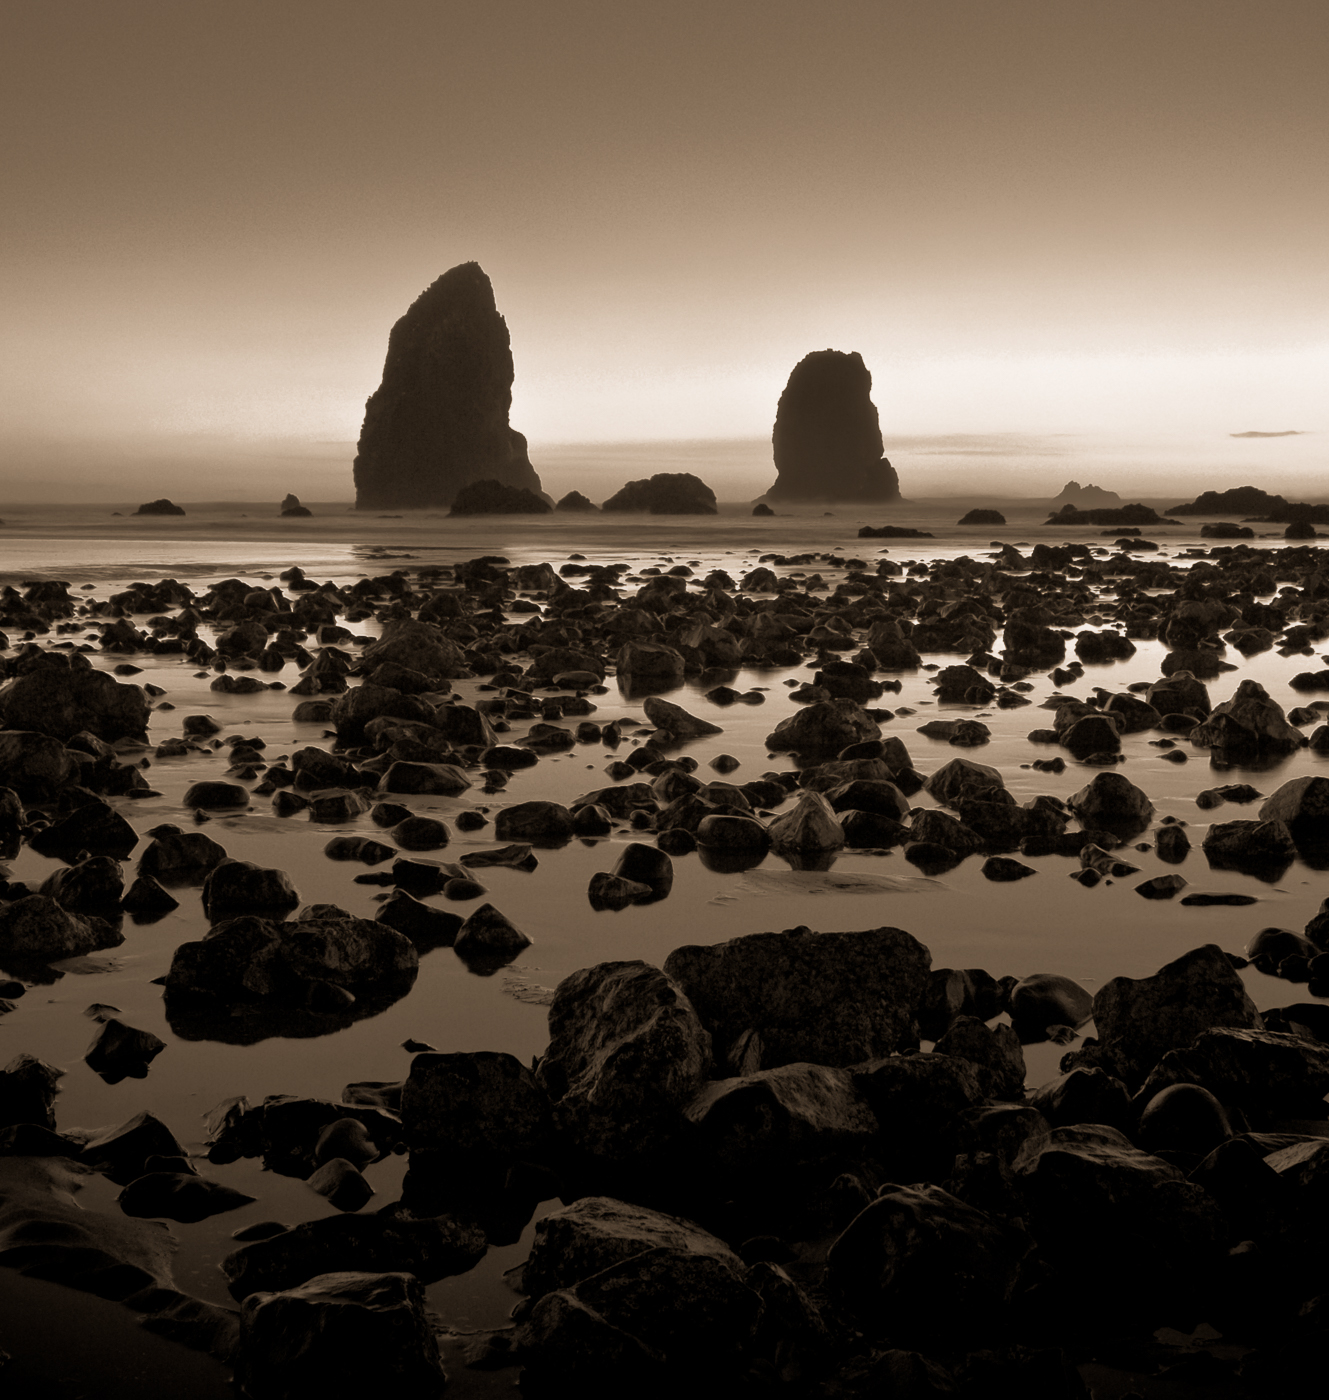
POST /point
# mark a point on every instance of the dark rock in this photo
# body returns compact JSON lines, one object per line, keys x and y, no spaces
{"x":182,"y":1196}
{"x":64,"y":700}
{"x":649,"y":664}
{"x":1240,"y":500}
{"x":440,"y":417}
{"x":121,"y":1052}
{"x":830,"y":998}
{"x":93,"y":886}
{"x":665,"y":493}
{"x":291,"y":506}
{"x":1140,"y":1019}
{"x":220,"y":796}
{"x":761,"y":508}
{"x":240,"y":887}
{"x":1260,"y":848}
{"x":27,"y":1092}
{"x":930,"y":1263}
{"x":161,"y":506}
{"x":1113,"y":802}
{"x":1161,"y":887}
{"x":827,"y":439}
{"x":1249,"y":721}
{"x":981,"y":516}
{"x":823,"y":729}
{"x":626,"y":1053}
{"x":35,"y":929}
{"x":1183,"y":1118}
{"x":122,"y":1153}
{"x":479,"y":1107}
{"x":1045,"y":1001}
{"x":344,"y":1333}
{"x":545,"y":823}
{"x":1004,"y":869}
{"x":1083,"y":1096}
{"x":574,"y":500}
{"x":488,"y":936}
{"x":494,"y":498}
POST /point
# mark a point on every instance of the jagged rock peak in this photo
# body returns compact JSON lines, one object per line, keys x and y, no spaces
{"x":827,"y":440}
{"x":439,"y":419}
{"x":1076,"y":495}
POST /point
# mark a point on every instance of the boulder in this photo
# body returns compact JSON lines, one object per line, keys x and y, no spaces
{"x":1261,"y":848}
{"x":827,"y":439}
{"x":598,"y":1232}
{"x":1298,"y":801}
{"x":1249,"y":721}
{"x":938,"y":1268}
{"x":665,"y":493}
{"x":649,"y":664}
{"x":811,"y":829}
{"x":543,"y":823}
{"x":253,"y":958}
{"x":1140,"y":1019}
{"x":677,"y":720}
{"x":414,"y":646}
{"x":34,"y":765}
{"x":480,"y":1106}
{"x":240,"y":887}
{"x":822,"y":729}
{"x":61,"y":701}
{"x":35,"y":929}
{"x":828,"y":998}
{"x":961,"y":780}
{"x":626,"y":1053}
{"x":176,"y":857}
{"x":771,"y":1126}
{"x":439,"y":419}
{"x":1112,"y":801}
{"x":491,"y":497}
{"x":341,"y":1333}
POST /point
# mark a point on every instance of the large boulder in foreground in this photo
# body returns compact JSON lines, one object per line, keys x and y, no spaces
{"x":626,"y":1052}
{"x":665,"y":493}
{"x":1139,"y":1019}
{"x":346,"y":1333}
{"x":830,"y":998}
{"x":823,"y":729}
{"x":35,"y":929}
{"x":62,"y":700}
{"x":439,"y":419}
{"x":827,"y":439}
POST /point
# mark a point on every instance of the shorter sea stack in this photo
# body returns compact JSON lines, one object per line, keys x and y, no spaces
{"x":1083,"y":497}
{"x":291,"y":506}
{"x":439,"y":420}
{"x":574,"y":500}
{"x":666,"y":493}
{"x":160,"y":507}
{"x":827,"y":439}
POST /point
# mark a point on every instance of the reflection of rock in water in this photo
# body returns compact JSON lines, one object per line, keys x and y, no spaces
{"x":200,"y":1018}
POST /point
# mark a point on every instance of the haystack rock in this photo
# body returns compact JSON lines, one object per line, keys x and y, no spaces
{"x":291,"y":506}
{"x":439,"y":420}
{"x":827,"y":439}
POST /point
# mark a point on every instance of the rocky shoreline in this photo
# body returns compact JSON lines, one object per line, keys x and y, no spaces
{"x":804,"y":1162}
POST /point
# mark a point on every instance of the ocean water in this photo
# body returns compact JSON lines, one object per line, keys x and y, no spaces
{"x":1045,"y":923}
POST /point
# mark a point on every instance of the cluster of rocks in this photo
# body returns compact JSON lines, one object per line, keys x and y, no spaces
{"x":801,"y":1160}
{"x":795,"y":1191}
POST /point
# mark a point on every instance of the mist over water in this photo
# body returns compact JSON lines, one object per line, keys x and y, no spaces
{"x":1168,"y":467}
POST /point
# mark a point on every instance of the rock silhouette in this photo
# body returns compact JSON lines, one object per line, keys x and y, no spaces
{"x":827,"y":440}
{"x":1240,"y":500}
{"x":160,"y":506}
{"x":665,"y":493}
{"x":439,"y":419}
{"x":493,"y":498}
{"x":1073,"y":494}
{"x":291,"y":506}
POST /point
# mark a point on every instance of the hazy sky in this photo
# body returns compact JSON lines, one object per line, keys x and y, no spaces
{"x":1028,"y":215}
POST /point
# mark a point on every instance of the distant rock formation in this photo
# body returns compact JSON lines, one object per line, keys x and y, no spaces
{"x":493,"y":498}
{"x":160,"y":507}
{"x":1286,"y":432}
{"x":1134,"y":514}
{"x":979,"y":516}
{"x":1240,"y":500}
{"x":1226,"y":530}
{"x":439,"y":420}
{"x":827,"y":440}
{"x":666,"y":493}
{"x":893,"y":532}
{"x":291,"y":506}
{"x":1073,"y":494}
{"x":761,"y":508}
{"x":574,"y":500}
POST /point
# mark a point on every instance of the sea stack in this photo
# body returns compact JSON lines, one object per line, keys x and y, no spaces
{"x":827,"y":439}
{"x":439,"y":419}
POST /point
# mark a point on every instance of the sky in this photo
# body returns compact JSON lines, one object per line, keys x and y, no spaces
{"x":1028,"y":216}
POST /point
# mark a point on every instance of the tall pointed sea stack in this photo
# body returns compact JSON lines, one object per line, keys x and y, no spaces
{"x":439,"y":420}
{"x":827,"y":439}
